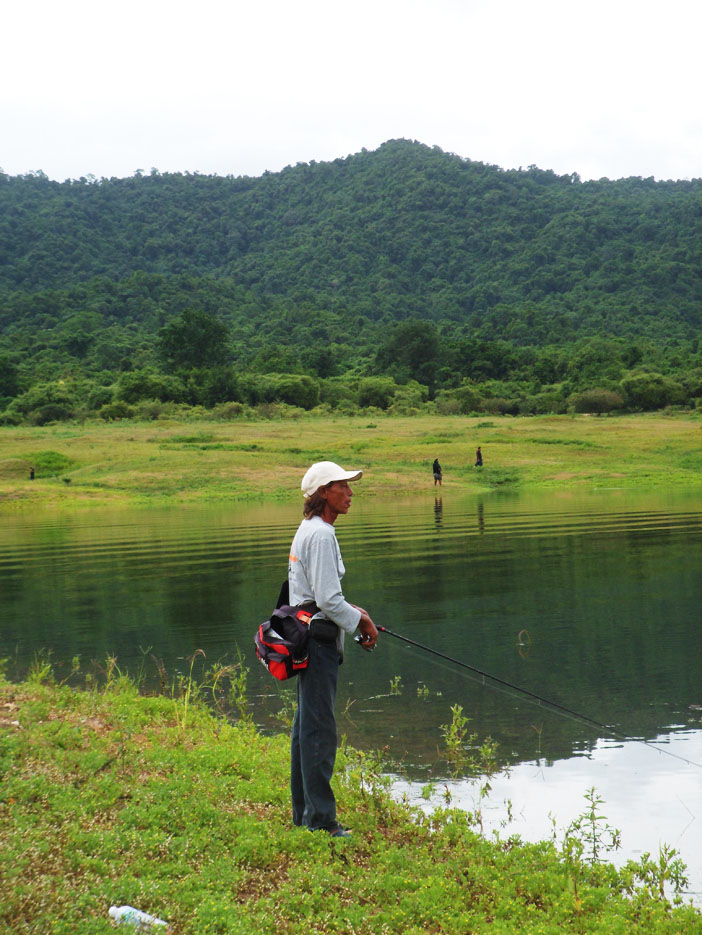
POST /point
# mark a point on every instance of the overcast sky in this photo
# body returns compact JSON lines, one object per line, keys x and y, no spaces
{"x":602,"y":88}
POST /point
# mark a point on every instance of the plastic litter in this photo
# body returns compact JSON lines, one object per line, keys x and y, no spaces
{"x":128,"y":915}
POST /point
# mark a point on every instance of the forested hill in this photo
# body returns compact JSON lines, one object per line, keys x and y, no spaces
{"x":405,"y":231}
{"x":323,"y":260}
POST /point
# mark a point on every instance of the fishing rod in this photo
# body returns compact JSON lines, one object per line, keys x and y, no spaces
{"x":562,"y":709}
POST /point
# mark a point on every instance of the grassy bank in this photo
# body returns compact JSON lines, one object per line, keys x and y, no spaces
{"x":170,"y":461}
{"x":109,"y":797}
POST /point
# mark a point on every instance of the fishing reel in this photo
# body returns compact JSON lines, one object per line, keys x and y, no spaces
{"x":358,"y":638}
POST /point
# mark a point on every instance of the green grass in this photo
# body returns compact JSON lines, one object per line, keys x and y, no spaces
{"x":109,"y":797}
{"x":580,"y":442}
{"x":169,"y":461}
{"x":49,"y":463}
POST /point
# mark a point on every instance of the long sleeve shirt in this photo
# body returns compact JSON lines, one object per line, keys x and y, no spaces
{"x":315,"y":570}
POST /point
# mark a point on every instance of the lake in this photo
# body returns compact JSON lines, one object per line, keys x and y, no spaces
{"x":589,"y":600}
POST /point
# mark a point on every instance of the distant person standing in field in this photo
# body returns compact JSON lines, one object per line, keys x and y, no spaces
{"x":478,"y":457}
{"x":436,"y":468}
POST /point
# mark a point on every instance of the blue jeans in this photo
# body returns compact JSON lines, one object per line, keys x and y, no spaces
{"x":313,"y":742}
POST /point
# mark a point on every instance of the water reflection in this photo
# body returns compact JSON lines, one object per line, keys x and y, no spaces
{"x":591,"y":600}
{"x":651,"y":799}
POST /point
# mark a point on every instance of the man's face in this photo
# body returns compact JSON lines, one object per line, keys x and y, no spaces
{"x":338,"y":496}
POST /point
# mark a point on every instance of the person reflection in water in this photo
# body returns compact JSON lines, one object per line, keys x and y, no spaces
{"x":438,"y":512}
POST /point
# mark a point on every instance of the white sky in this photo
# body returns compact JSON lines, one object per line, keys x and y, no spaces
{"x":603,"y":88}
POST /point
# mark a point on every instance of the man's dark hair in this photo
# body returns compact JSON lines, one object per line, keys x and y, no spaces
{"x":314,"y":505}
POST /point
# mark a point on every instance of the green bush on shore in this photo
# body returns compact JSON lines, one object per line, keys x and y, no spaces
{"x":150,"y":394}
{"x":109,"y":797}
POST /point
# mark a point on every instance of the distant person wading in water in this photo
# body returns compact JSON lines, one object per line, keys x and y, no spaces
{"x":436,"y":468}
{"x":478,"y":457}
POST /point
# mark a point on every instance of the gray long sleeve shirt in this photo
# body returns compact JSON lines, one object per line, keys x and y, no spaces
{"x":315,"y":571}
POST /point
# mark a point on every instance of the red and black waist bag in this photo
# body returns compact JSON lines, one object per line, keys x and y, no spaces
{"x":281,"y":642}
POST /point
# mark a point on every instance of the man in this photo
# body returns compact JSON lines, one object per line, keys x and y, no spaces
{"x":314,"y":574}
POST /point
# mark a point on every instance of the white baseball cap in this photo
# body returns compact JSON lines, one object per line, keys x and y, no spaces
{"x":323,"y":473}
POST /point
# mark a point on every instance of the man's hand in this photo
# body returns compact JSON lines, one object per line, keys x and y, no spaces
{"x":368,"y":631}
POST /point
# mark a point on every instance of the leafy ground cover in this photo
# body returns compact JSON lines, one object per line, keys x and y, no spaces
{"x":177,"y":461}
{"x":110,"y":797}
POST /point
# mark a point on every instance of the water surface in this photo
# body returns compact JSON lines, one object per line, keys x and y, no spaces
{"x":589,"y":600}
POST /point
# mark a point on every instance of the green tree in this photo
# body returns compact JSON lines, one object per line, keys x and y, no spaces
{"x":140,"y":384}
{"x":411,"y":352}
{"x":8,"y":377}
{"x":298,"y":390}
{"x":194,"y":339}
{"x":649,"y":391}
{"x":55,"y":394}
{"x":594,"y":360}
{"x":376,"y":391}
{"x":220,"y":385}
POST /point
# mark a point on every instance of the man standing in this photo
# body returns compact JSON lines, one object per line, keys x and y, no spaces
{"x":315,"y":570}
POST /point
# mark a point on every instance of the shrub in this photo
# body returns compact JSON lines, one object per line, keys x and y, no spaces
{"x":469,"y":398}
{"x":141,"y":384}
{"x":692,"y":383}
{"x":376,"y":392}
{"x":447,"y":404}
{"x":649,"y":391}
{"x":596,"y":401}
{"x":278,"y":411}
{"x":228,"y":411}
{"x":113,"y":411}
{"x":213,"y":386}
{"x":322,"y":410}
{"x":336,"y":394}
{"x":302,"y":390}
{"x":51,"y":412}
{"x":41,"y":395}
{"x":505,"y":407}
{"x":10,"y":418}
{"x":152,"y":409}
{"x":99,"y":396}
{"x":49,"y":463}
{"x":408,"y":399}
{"x":464,"y":399}
{"x":293,"y":389}
{"x":542,"y":403}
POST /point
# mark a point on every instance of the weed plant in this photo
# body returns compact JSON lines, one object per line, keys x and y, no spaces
{"x":109,"y":796}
